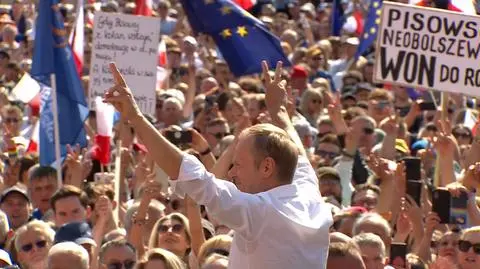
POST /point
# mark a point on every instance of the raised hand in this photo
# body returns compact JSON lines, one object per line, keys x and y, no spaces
{"x":104,"y":209}
{"x":121,"y":97}
{"x":276,"y":92}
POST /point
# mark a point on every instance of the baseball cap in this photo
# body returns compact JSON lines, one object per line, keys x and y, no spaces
{"x":299,"y":72}
{"x":401,"y":146}
{"x":327,"y":171}
{"x":77,"y":232}
{"x":14,"y":189}
{"x":353,"y":41}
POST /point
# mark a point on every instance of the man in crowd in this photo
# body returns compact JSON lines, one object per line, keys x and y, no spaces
{"x":69,"y":204}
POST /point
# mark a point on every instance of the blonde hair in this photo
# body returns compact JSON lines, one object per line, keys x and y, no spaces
{"x":35,"y":225}
{"x":78,"y":251}
{"x":370,"y":240}
{"x":153,"y":241}
{"x":171,"y":260}
{"x":307,"y":95}
{"x":222,"y":242}
{"x":474,"y":229}
{"x":215,"y":259}
{"x":271,"y":141}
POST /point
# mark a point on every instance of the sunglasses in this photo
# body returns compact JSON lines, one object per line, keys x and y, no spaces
{"x":128,"y":264}
{"x":327,"y":154}
{"x":28,"y":247}
{"x":219,"y":135}
{"x":382,"y":105}
{"x":447,"y":243}
{"x":11,"y":120}
{"x":176,"y":228}
{"x":464,"y":246}
{"x":316,"y":101}
{"x":368,"y":131}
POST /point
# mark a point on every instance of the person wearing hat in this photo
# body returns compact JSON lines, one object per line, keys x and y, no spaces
{"x":110,"y":6}
{"x":329,"y":183}
{"x":190,"y":47}
{"x":299,"y":78}
{"x":78,"y":233}
{"x":319,"y":65}
{"x":16,"y":204}
{"x":338,"y":68}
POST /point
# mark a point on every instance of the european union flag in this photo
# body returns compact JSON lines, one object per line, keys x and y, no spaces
{"x":371,"y":27}
{"x":338,"y":17}
{"x":53,"y":55}
{"x":242,"y":39}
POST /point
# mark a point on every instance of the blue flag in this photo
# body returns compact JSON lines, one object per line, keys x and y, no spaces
{"x":242,"y":39}
{"x":371,"y":27}
{"x":338,"y":18}
{"x":53,"y":55}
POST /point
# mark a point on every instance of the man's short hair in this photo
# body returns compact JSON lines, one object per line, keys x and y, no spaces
{"x":71,"y":248}
{"x":94,"y":190}
{"x":343,"y":250}
{"x":373,"y":218}
{"x":370,"y":240}
{"x":217,"y":121}
{"x":10,"y":109}
{"x":39,"y":172}
{"x":271,"y":141}
{"x":329,"y":139}
{"x":119,"y":243}
{"x":365,"y":187}
{"x":68,"y":191}
{"x":380,"y":94}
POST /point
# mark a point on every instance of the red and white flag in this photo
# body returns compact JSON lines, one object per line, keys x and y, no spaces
{"x":76,"y":38}
{"x":143,"y":8}
{"x":162,"y":54}
{"x":25,"y":90}
{"x":33,"y":144}
{"x":464,"y":6}
{"x":105,"y":115}
{"x":246,"y":4}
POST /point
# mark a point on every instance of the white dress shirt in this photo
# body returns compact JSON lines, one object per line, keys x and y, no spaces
{"x":285,"y":227}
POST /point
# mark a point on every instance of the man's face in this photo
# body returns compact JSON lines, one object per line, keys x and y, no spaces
{"x":17,"y":209}
{"x":118,"y":256}
{"x":171,"y":113}
{"x":372,"y":257}
{"x":330,"y":186}
{"x":63,"y":261}
{"x":366,"y":133}
{"x":362,"y":95}
{"x":380,"y":109}
{"x":375,"y":228}
{"x":316,"y":61}
{"x":299,"y":83}
{"x":368,"y":73}
{"x":12,"y":122}
{"x":41,"y":189}
{"x":215,"y":133}
{"x":245,"y":173}
{"x":366,"y":198}
{"x":70,"y":209}
{"x":328,"y":152}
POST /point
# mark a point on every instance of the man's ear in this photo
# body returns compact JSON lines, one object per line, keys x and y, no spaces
{"x":114,"y":205}
{"x":267,"y":167}
{"x":88,"y":211}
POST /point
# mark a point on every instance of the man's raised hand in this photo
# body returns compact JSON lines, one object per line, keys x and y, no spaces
{"x":120,"y":96}
{"x":276,"y":93}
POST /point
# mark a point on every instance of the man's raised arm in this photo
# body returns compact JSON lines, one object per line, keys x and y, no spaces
{"x":166,"y":155}
{"x":276,"y":102}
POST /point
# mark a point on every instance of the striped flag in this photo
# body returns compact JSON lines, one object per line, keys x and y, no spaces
{"x":464,"y":6}
{"x":246,"y":4}
{"x":143,"y":7}
{"x":76,"y":39}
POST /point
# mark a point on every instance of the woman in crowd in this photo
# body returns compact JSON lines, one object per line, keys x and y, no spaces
{"x":32,"y":242}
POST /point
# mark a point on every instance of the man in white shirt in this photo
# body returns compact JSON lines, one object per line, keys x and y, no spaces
{"x":274,"y":205}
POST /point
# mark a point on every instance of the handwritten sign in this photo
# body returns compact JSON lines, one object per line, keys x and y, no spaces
{"x":132,"y":43}
{"x":428,"y":48}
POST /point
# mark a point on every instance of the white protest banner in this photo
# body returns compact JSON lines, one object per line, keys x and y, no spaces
{"x":132,"y":43}
{"x":428,"y":48}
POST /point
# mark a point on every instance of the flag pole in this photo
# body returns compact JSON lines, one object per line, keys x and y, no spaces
{"x":58,"y":162}
{"x":118,"y":175}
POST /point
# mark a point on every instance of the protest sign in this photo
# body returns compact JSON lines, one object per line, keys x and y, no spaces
{"x":428,"y":48}
{"x":132,"y":43}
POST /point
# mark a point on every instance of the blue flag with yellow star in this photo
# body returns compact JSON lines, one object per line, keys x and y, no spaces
{"x":243,"y":40}
{"x":371,"y":27}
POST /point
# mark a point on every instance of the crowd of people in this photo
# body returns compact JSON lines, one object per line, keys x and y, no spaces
{"x":301,"y":166}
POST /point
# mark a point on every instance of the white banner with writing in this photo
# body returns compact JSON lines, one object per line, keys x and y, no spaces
{"x":132,"y":43}
{"x":428,"y":48}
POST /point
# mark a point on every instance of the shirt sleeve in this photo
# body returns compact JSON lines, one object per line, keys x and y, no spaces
{"x":240,"y":211}
{"x":304,"y":172}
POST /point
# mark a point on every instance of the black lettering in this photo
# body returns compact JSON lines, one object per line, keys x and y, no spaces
{"x":432,"y":44}
{"x":434,"y":28}
{"x":472,"y":51}
{"x":393,"y":15}
{"x":398,"y":39}
{"x":410,"y":67}
{"x":441,"y":44}
{"x":418,"y":19}
{"x":461,"y":48}
{"x":388,"y":37}
{"x":427,"y":68}
{"x":468,"y":77}
{"x":444,"y":70}
{"x":425,"y":41}
{"x":407,"y":40}
{"x":415,"y":42}
{"x":472,"y":26}
{"x":452,"y":27}
{"x":391,"y":66}
{"x":450,"y":47}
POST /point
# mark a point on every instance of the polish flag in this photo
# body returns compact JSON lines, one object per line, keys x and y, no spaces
{"x":162,"y":54}
{"x":90,"y":17}
{"x":246,"y":4}
{"x":464,"y":6}
{"x":33,"y":143}
{"x":25,"y":90}
{"x":143,"y":7}
{"x":105,"y":115}
{"x":76,"y":39}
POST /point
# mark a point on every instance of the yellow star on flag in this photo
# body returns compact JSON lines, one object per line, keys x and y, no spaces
{"x":242,"y":31}
{"x":379,"y":12}
{"x":375,"y":4}
{"x":226,"y":33}
{"x":373,"y":30}
{"x":377,"y":21}
{"x":226,"y":10}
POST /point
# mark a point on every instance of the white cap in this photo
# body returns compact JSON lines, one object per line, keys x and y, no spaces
{"x":5,"y":257}
{"x":191,"y":40}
